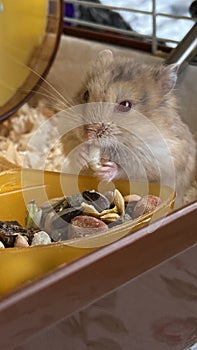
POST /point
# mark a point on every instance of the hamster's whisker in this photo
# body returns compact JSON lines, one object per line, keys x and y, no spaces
{"x":76,"y":116}
{"x":73,"y":118}
{"x":69,"y":103}
{"x":52,"y":102}
{"x":51,"y":94}
{"x":50,"y":85}
{"x":51,"y":98}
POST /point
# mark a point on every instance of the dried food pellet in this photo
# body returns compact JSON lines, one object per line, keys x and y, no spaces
{"x":145,"y":205}
{"x":83,"y":226}
{"x":87,"y":221}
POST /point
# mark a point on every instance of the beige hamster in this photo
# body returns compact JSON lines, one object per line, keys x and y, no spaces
{"x":131,"y":114}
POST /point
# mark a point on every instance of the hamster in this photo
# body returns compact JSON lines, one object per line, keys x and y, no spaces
{"x":129,"y":111}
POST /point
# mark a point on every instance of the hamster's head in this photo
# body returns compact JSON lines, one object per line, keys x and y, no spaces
{"x":124,"y":85}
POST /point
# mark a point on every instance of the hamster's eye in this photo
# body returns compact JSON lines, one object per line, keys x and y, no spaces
{"x":125,"y":106}
{"x":86,"y":96}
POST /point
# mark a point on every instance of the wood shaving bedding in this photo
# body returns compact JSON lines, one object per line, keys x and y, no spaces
{"x":15,"y":136}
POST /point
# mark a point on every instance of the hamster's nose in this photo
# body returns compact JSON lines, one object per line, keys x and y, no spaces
{"x":98,"y":130}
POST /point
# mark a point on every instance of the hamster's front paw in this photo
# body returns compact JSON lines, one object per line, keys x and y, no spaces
{"x":108,"y":171}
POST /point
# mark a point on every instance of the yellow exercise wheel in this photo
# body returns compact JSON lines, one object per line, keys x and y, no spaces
{"x":29,"y":38}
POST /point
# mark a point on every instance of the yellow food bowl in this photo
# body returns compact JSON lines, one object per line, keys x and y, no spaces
{"x":19,"y":187}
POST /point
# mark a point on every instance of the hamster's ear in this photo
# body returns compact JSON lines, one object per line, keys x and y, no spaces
{"x":106,"y":56}
{"x":166,"y":77}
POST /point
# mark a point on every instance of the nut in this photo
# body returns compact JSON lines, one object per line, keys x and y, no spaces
{"x":21,"y":242}
{"x":1,"y":245}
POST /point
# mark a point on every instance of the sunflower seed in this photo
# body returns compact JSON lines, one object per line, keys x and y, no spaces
{"x":119,"y":201}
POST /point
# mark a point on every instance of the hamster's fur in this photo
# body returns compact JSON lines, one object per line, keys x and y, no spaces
{"x":149,"y":90}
